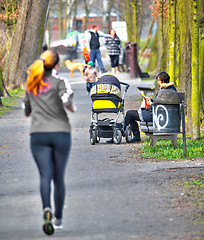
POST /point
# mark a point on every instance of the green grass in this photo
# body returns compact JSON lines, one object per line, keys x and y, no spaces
{"x":9,"y":103}
{"x":165,"y":150}
{"x":195,"y":182}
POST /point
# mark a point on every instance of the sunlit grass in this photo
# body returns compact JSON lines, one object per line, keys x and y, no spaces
{"x":10,"y":102}
{"x":165,"y":150}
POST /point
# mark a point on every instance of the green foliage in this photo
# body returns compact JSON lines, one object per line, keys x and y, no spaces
{"x":195,"y":182}
{"x":165,"y":150}
{"x":10,"y":102}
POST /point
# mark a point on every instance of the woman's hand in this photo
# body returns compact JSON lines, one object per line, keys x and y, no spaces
{"x":148,"y":102}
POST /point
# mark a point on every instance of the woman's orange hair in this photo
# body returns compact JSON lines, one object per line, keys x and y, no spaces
{"x":46,"y":62}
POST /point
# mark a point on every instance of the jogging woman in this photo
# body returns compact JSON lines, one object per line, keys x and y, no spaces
{"x":47,"y":96}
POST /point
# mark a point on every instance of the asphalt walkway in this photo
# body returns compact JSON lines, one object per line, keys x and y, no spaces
{"x":110,"y":195}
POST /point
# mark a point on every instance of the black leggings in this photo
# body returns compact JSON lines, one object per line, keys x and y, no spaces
{"x":131,"y":118}
{"x":51,"y":152}
{"x":114,"y":60}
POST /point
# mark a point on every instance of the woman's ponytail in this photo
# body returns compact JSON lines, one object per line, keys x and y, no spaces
{"x":46,"y":62}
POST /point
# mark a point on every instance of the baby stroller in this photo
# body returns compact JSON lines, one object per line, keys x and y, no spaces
{"x":106,"y":98}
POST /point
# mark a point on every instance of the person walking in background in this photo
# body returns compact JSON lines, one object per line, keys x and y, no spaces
{"x":93,"y":46}
{"x":45,"y":100}
{"x":90,"y":76}
{"x":113,"y":45}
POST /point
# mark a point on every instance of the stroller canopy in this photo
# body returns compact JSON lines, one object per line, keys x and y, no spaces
{"x":106,"y":94}
{"x":109,"y":79}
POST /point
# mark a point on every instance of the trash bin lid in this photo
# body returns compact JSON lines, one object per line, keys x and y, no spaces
{"x":166,"y":96}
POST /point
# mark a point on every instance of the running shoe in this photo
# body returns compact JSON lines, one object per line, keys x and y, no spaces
{"x":58,"y":224}
{"x":47,"y":225}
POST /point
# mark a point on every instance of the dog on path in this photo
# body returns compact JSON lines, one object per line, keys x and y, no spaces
{"x":72,"y":66}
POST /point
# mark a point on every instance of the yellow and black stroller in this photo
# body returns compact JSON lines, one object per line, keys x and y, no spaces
{"x":107,"y":99}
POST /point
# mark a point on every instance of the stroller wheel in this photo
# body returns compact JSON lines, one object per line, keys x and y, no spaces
{"x":128,"y":134}
{"x":92,"y":136}
{"x":97,"y":137}
{"x":117,"y":136}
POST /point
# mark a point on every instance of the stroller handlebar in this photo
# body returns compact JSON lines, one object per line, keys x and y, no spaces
{"x":126,"y":84}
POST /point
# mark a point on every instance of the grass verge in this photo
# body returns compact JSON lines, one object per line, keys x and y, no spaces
{"x":9,"y":103}
{"x":165,"y":150}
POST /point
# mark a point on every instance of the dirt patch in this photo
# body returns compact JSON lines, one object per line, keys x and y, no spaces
{"x":181,"y":184}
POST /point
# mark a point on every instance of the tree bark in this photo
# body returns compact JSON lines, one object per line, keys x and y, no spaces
{"x":140,"y":15}
{"x":60,"y":19}
{"x":195,"y":93}
{"x":201,"y":56}
{"x":128,"y":20}
{"x":134,"y":22}
{"x":172,"y":44}
{"x":149,"y":37}
{"x":163,"y":44}
{"x":3,"y":91}
{"x":184,"y":14}
{"x":65,"y":19}
{"x":1,"y":84}
{"x":87,"y":15}
{"x":153,"y":62}
{"x":27,"y":41}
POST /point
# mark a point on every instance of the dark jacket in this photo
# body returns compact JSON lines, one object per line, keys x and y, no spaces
{"x":94,"y":42}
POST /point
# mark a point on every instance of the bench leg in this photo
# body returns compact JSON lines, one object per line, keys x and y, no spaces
{"x":154,"y":138}
{"x":174,"y":140}
{"x":153,"y":141}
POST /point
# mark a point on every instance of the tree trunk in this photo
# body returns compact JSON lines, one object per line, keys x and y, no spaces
{"x":128,"y":20}
{"x":74,"y":17}
{"x":195,"y":96}
{"x":110,"y":7}
{"x":185,"y":53}
{"x":3,"y":91}
{"x":65,"y":19}
{"x":149,"y":37}
{"x":163,"y":28}
{"x":134,"y":21}
{"x":178,"y":57}
{"x":60,"y":19}
{"x":153,"y":62}
{"x":139,"y":23}
{"x":69,"y":5}
{"x":201,"y":56}
{"x":87,"y":15}
{"x":172,"y":48}
{"x":27,"y":41}
{"x":1,"y":84}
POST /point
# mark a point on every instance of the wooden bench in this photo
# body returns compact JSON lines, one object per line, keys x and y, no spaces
{"x":147,"y":128}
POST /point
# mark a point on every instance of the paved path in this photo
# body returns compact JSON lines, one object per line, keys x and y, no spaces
{"x":110,"y":195}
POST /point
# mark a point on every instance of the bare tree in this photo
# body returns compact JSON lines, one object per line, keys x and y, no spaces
{"x":27,"y":40}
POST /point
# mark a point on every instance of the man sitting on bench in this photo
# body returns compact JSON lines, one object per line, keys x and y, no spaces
{"x":144,"y":113}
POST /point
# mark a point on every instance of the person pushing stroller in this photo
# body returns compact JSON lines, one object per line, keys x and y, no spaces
{"x":90,"y":75}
